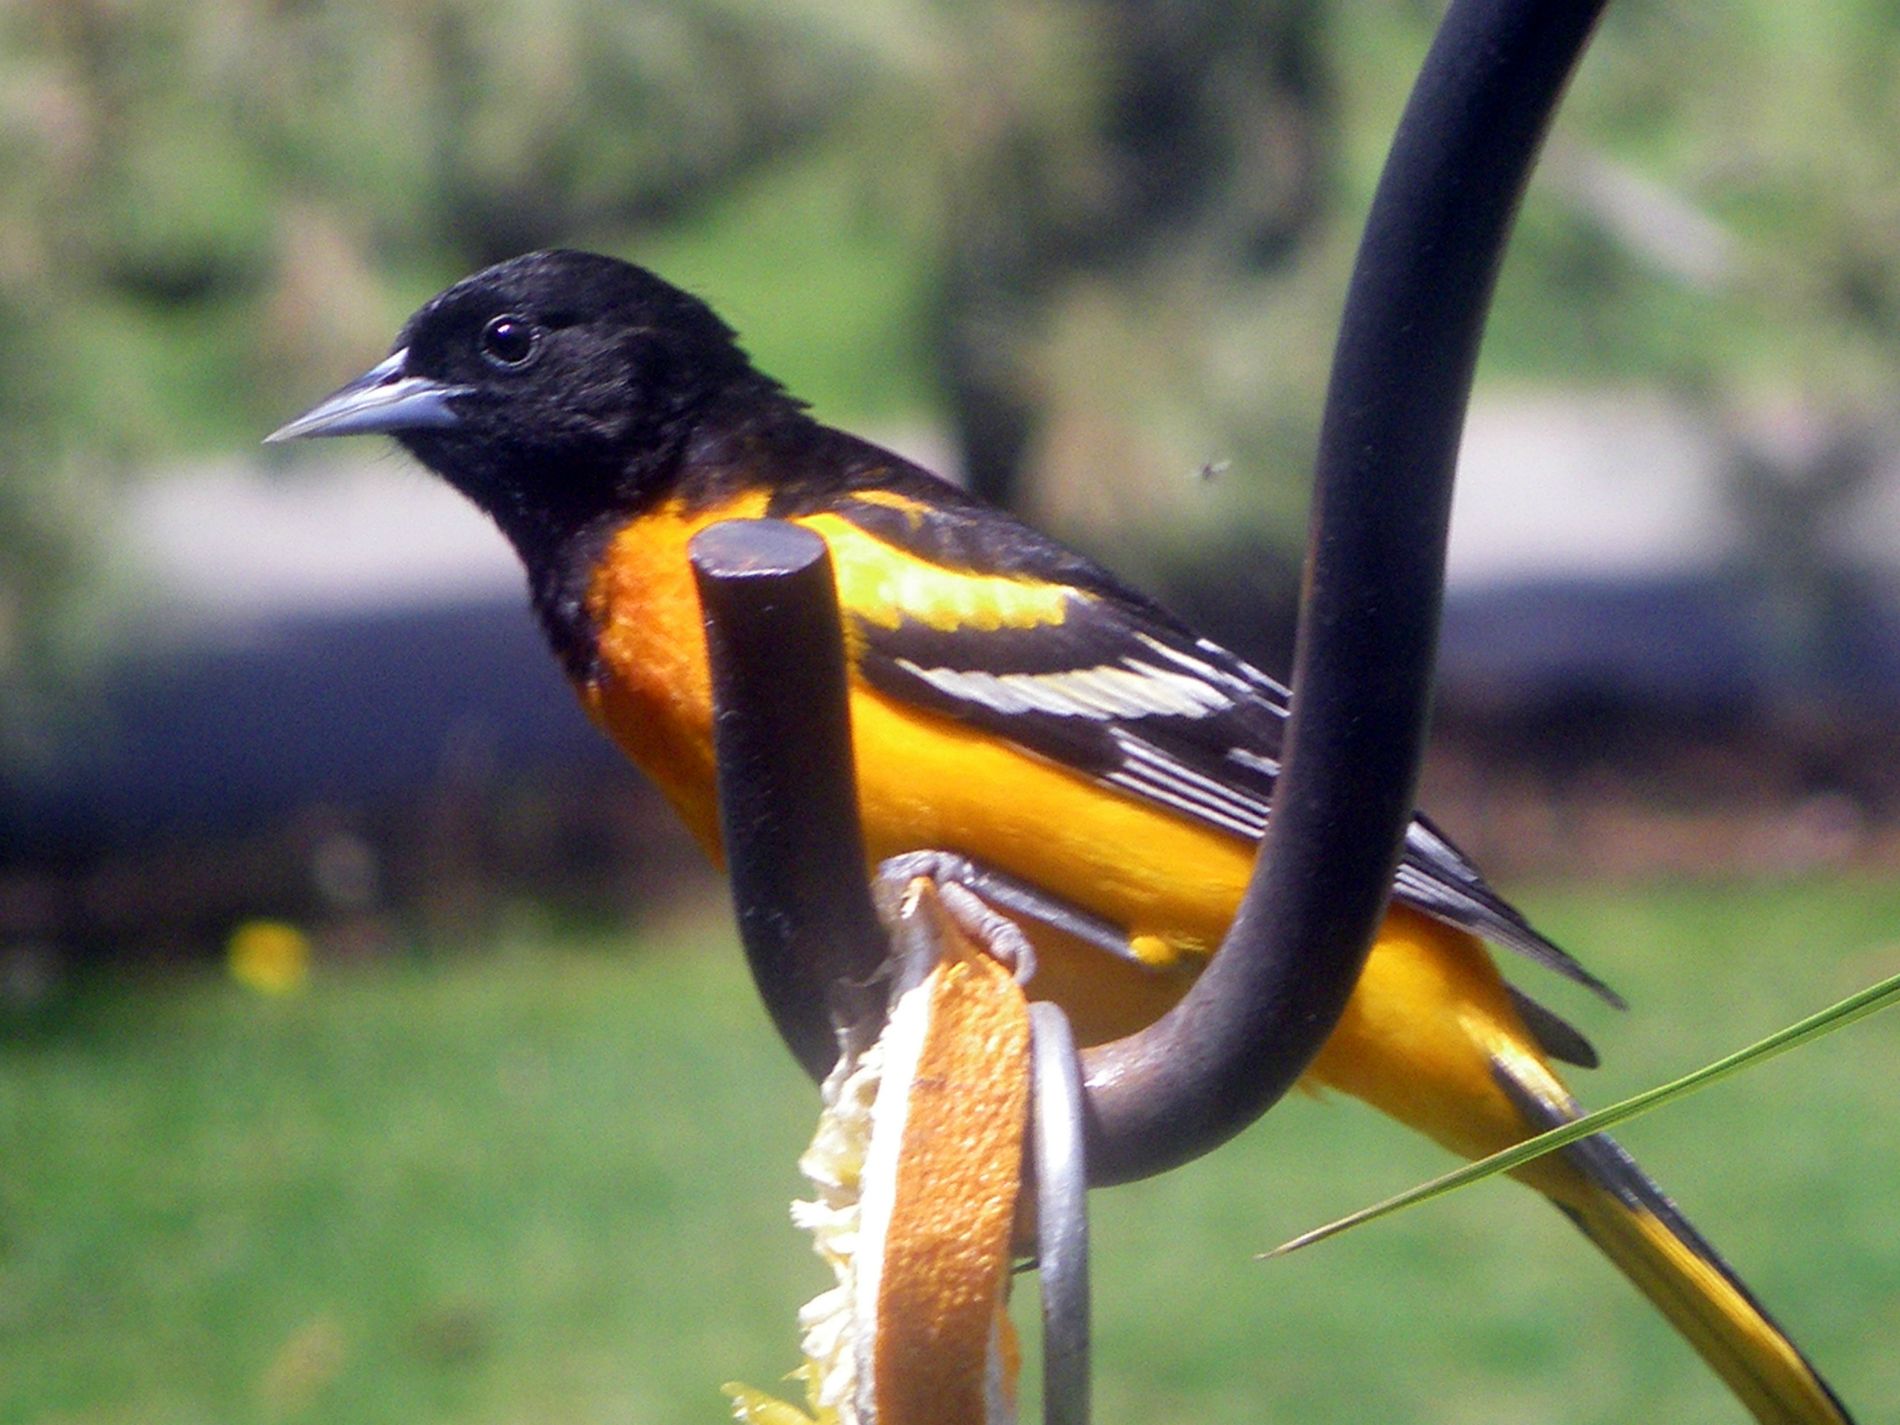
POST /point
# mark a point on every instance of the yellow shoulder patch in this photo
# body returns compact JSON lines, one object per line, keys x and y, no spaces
{"x":885,"y":585}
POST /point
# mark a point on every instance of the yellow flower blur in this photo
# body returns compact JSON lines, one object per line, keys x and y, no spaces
{"x":271,"y":956}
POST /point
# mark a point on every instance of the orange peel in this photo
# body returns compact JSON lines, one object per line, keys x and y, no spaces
{"x":918,"y":1164}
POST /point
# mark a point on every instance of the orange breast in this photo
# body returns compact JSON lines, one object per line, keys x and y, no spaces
{"x":655,"y":696}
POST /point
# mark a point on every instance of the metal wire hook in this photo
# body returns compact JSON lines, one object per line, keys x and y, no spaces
{"x":1062,"y":1215}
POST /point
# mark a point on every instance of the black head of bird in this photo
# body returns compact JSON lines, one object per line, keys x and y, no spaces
{"x":548,"y":388}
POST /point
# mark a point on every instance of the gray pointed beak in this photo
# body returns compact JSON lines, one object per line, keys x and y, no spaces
{"x":384,"y":400}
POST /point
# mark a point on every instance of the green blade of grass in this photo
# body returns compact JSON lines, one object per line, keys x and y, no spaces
{"x":1837,"y":1016}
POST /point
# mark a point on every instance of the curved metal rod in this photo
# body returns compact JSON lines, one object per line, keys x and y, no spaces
{"x":788,"y":802}
{"x":1362,"y":663}
{"x":1062,"y":1215}
{"x":1374,"y":581}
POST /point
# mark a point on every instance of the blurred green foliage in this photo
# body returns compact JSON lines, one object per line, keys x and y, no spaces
{"x":215,"y":205}
{"x":223,"y":200}
{"x":548,"y":1182}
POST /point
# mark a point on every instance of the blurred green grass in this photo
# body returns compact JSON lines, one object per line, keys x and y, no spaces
{"x":547,"y":1182}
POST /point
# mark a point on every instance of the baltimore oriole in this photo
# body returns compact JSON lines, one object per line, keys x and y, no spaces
{"x":1011,"y":702}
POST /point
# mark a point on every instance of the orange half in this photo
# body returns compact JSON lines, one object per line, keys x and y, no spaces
{"x":918,"y":1162}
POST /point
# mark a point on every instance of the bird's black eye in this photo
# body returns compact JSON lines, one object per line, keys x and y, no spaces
{"x":510,"y":342}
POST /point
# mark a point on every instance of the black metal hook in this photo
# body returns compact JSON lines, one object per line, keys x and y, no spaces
{"x":1362,"y":663}
{"x":1374,"y":582}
